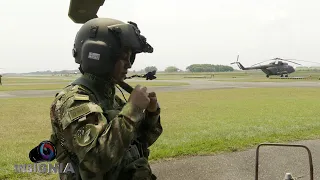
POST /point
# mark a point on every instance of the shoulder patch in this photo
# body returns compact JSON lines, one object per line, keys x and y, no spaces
{"x":78,"y":111}
{"x":86,"y":135}
{"x":81,"y":97}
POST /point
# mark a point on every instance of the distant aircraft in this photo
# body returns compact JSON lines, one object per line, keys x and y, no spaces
{"x":277,"y":67}
{"x":149,"y":76}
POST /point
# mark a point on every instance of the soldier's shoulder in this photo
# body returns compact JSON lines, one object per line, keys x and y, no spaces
{"x":72,"y":103}
{"x":67,"y":97}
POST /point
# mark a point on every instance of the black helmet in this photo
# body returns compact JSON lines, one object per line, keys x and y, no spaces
{"x":100,"y":41}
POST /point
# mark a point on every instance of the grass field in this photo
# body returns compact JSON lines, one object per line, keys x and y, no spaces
{"x":14,"y":80}
{"x":239,"y":74}
{"x":230,"y":119}
{"x":56,"y":82}
{"x":42,"y":86}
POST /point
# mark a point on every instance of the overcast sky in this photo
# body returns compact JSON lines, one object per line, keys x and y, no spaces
{"x":38,"y":35}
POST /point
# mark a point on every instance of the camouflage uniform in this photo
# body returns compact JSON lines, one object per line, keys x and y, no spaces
{"x":104,"y":140}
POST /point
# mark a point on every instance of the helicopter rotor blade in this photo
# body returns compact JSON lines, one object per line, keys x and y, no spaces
{"x":299,"y":60}
{"x":261,"y":62}
{"x":292,"y":62}
{"x":277,"y":59}
{"x":306,"y":61}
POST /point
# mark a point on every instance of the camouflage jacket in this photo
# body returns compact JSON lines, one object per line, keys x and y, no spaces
{"x":109,"y":141}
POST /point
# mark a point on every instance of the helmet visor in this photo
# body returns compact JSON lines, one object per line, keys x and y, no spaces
{"x":130,"y":37}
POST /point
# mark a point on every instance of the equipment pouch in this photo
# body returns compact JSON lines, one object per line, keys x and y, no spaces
{"x":137,"y":170}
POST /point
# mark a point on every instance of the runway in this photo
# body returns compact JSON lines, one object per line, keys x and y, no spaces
{"x":274,"y":163}
{"x":193,"y":85}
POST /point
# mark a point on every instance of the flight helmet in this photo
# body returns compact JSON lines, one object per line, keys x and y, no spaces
{"x":100,"y":42}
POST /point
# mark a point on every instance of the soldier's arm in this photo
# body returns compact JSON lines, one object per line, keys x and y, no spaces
{"x":150,"y":128}
{"x":98,"y":145}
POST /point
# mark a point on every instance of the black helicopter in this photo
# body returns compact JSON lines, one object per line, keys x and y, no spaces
{"x":149,"y":76}
{"x":277,"y":67}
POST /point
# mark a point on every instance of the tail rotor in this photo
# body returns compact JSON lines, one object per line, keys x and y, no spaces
{"x":239,"y":64}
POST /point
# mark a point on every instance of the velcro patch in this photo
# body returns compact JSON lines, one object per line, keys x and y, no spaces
{"x":81,"y":97}
{"x":79,"y":111}
{"x":86,"y":135}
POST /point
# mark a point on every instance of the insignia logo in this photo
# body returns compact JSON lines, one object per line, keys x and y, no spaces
{"x":86,"y":135}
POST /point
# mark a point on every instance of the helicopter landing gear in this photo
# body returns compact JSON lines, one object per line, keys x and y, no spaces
{"x":286,"y":75}
{"x":267,"y":76}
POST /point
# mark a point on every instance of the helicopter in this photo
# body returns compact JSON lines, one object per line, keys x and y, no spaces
{"x":149,"y":76}
{"x":277,"y":67}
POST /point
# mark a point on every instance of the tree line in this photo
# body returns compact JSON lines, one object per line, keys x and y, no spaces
{"x":209,"y":68}
{"x":195,"y":68}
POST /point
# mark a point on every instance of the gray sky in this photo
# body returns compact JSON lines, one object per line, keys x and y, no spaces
{"x":38,"y":35}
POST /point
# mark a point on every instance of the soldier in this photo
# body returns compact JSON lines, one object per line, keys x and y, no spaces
{"x":94,"y":129}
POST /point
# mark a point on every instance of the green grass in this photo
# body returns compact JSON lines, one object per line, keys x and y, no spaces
{"x":32,"y":87}
{"x":13,"y":80}
{"x":25,"y":123}
{"x":229,"y":119}
{"x":5,"y":87}
{"x":235,"y":119}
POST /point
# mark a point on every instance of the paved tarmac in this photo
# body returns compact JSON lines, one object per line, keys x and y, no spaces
{"x":194,"y":85}
{"x":274,"y":161}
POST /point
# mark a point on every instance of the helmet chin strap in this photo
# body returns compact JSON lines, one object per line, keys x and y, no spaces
{"x":122,"y":93}
{"x":80,"y":69}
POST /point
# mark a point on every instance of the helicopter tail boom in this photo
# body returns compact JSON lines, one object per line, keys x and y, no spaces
{"x":239,"y":64}
{"x":246,"y":68}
